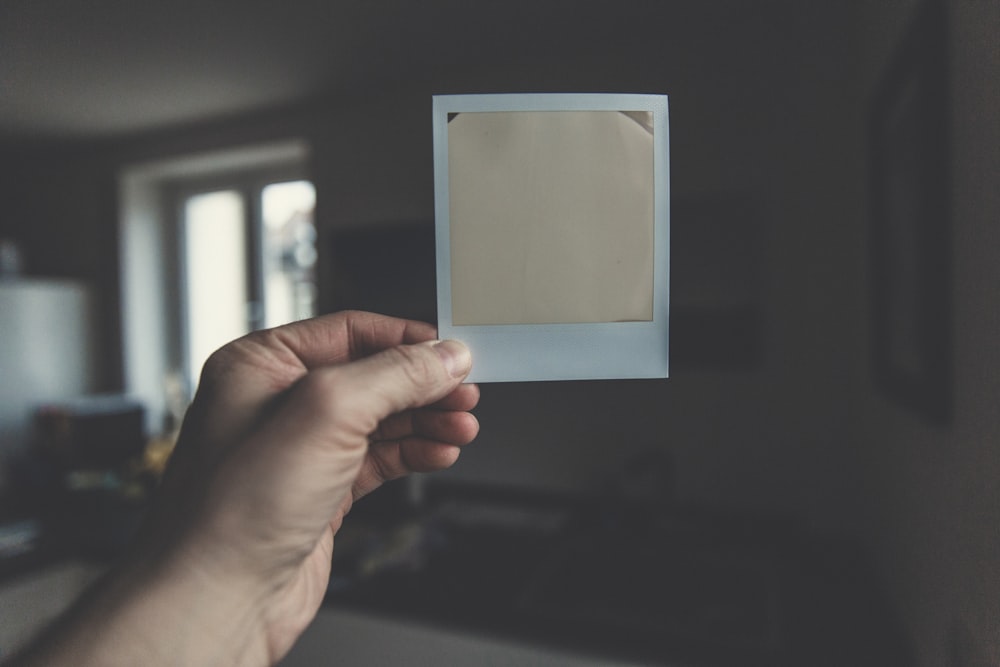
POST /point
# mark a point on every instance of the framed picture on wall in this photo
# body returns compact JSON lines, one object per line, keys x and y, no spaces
{"x":910,"y":235}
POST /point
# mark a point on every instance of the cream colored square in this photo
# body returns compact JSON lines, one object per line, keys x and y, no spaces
{"x":551,"y":217}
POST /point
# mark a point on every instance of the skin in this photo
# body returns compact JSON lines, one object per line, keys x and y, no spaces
{"x":289,"y":428}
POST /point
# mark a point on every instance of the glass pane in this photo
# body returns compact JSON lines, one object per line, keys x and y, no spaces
{"x":289,"y":244}
{"x":215,"y":274}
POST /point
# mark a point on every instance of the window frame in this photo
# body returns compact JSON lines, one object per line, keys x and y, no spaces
{"x":249,"y":184}
{"x":152,"y":358}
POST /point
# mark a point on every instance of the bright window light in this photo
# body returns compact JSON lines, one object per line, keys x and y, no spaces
{"x":215,"y":274}
{"x":289,"y":252}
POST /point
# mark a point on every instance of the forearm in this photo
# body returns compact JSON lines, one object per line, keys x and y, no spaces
{"x":153,"y":613}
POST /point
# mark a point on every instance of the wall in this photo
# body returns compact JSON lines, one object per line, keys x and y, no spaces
{"x":60,"y":210}
{"x":760,"y":117}
{"x":760,"y":108}
{"x":149,"y":280}
{"x":766,"y":102}
{"x":57,"y":211}
{"x":933,"y":493}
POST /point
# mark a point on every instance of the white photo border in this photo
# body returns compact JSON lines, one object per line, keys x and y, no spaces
{"x":579,"y":351}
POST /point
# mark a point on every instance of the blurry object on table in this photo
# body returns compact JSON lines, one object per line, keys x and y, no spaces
{"x":92,"y":432}
{"x":11,"y":260}
{"x":46,"y":354}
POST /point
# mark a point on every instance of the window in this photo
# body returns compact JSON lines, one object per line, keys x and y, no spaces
{"x":248,"y":254}
{"x":215,"y":276}
{"x":289,"y":255}
{"x":212,"y":245}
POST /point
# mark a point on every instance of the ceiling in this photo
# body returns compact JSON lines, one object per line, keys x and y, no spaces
{"x":86,"y":69}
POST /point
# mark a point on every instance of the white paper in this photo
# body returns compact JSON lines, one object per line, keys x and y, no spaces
{"x":552,"y":221}
{"x":551,"y":217}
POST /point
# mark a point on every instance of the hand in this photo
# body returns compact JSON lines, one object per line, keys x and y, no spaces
{"x":290,"y":426}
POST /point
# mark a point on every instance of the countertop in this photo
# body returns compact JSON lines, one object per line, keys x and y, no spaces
{"x":623,"y":581}
{"x":629,"y":581}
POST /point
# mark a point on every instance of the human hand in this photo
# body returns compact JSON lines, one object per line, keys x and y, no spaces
{"x":290,"y":426}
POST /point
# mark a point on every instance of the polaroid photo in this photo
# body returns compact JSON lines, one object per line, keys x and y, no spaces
{"x":552,"y":231}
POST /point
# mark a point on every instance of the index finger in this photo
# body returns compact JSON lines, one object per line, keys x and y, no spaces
{"x":347,"y":336}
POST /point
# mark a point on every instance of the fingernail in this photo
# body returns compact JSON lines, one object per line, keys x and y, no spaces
{"x":456,"y":357}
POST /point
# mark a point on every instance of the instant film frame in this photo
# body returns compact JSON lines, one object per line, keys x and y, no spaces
{"x":562,"y":201}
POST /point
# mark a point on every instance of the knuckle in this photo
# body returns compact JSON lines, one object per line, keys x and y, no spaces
{"x":324,"y":395}
{"x":320,"y":389}
{"x":217,"y":365}
{"x":223,"y":360}
{"x":382,"y":471}
{"x":267,"y":338}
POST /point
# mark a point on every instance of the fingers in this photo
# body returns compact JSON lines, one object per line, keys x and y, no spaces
{"x":239,"y":378}
{"x":314,"y":432}
{"x":345,"y":336}
{"x":465,"y":397}
{"x":370,"y":333}
{"x":444,"y":420}
{"x":326,"y":421}
{"x":450,"y":427}
{"x":418,"y":440}
{"x":403,"y":377}
{"x":388,"y":461}
{"x":421,"y":441}
{"x":397,"y":460}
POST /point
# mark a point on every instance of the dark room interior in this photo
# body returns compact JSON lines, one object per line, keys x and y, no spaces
{"x":818,"y":481}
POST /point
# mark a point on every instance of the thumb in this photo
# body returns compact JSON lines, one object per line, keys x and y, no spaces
{"x":406,"y":376}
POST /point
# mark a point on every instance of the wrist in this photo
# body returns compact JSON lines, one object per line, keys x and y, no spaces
{"x":157,"y":611}
{"x":188,"y":613}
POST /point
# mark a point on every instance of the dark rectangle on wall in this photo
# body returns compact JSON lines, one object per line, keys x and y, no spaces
{"x":910,"y":227}
{"x":716,"y":283}
{"x":388,"y":269}
{"x":726,"y":339}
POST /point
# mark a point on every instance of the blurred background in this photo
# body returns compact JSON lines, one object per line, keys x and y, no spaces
{"x":816,"y":484}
